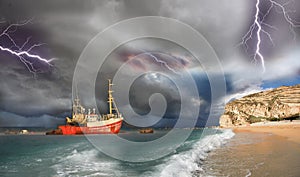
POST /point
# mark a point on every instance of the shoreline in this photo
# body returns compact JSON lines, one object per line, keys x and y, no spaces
{"x":265,"y":149}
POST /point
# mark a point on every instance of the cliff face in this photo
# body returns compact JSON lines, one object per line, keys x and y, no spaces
{"x":279,"y":103}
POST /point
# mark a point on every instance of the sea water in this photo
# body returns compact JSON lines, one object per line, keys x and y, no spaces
{"x":40,"y":155}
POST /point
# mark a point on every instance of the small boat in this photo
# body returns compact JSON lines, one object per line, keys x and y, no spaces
{"x":146,"y":130}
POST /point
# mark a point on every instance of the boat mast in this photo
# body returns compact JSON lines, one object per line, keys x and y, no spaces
{"x":112,"y":105}
{"x":110,"y":98}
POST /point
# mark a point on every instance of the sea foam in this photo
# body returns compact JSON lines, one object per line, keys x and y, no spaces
{"x":186,"y":163}
{"x":85,"y":163}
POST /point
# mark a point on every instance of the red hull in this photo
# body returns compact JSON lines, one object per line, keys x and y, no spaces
{"x":113,"y":128}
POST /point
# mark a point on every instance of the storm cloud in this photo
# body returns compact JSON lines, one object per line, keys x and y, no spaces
{"x":66,"y":27}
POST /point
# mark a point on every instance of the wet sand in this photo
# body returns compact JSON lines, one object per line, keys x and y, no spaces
{"x":258,"y":151}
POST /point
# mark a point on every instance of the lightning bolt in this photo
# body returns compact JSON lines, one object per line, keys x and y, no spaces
{"x":259,"y":25}
{"x":19,"y":50}
{"x":258,"y":33}
{"x":165,"y":64}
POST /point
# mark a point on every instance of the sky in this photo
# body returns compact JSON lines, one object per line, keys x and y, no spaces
{"x":41,"y":94}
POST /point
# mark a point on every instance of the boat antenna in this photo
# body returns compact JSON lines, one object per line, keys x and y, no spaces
{"x":76,"y":90}
{"x":76,"y":100}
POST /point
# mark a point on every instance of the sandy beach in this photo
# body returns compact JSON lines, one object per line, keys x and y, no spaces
{"x":287,"y":129}
{"x":264,"y":149}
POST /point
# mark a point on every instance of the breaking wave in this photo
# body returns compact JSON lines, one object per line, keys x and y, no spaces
{"x":188,"y":163}
{"x":85,"y":163}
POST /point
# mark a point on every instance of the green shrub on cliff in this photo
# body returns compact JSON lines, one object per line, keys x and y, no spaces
{"x":253,"y":119}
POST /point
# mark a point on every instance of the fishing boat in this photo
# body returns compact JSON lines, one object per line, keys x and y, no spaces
{"x":89,"y":122}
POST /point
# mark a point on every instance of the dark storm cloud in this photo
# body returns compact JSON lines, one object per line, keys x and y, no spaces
{"x":67,"y":26}
{"x":15,"y":120}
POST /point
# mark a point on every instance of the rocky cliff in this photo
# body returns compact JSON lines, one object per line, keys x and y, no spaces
{"x":276,"y":104}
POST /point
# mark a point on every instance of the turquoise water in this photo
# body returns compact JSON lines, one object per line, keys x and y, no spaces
{"x":40,"y":155}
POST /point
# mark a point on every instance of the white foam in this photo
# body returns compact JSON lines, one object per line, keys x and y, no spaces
{"x":183,"y":164}
{"x":84,"y":163}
